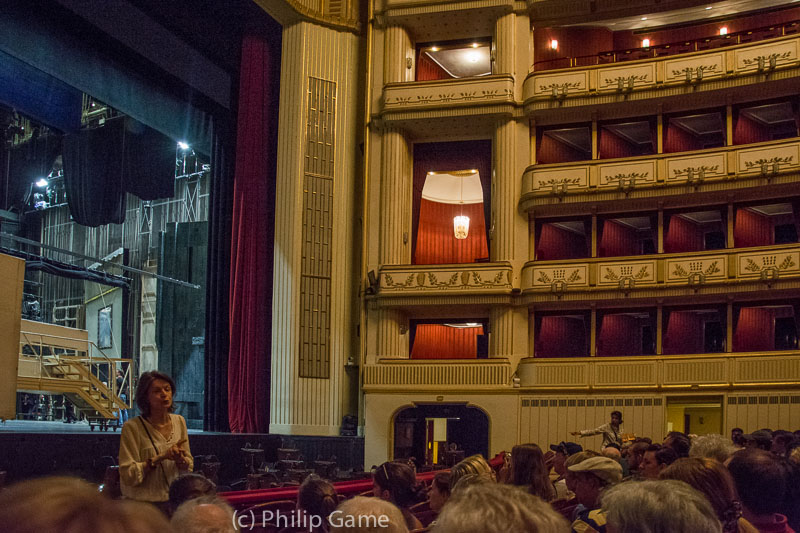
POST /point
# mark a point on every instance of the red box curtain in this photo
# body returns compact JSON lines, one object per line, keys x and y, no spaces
{"x":438,"y":341}
{"x":436,"y":241}
{"x":683,"y":236}
{"x":561,"y":336}
{"x":751,"y":229}
{"x":755,"y":330}
{"x":619,"y":335}
{"x":557,"y":243}
{"x":684,"y":334}
{"x":617,"y":240}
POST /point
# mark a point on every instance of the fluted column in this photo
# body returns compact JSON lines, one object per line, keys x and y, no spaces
{"x":392,"y":335}
{"x":504,"y":44}
{"x":501,"y":336}
{"x":397,"y":47}
{"x":504,"y":196}
{"x":395,"y":225}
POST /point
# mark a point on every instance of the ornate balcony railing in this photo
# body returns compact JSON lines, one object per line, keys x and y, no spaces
{"x":763,"y":57}
{"x":468,"y":278}
{"x":495,"y":92}
{"x":630,"y":175}
{"x":694,"y":269}
{"x":698,"y":371}
{"x":437,"y":374}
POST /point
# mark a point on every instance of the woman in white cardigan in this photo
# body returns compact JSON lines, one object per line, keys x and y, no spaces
{"x":154,"y":447}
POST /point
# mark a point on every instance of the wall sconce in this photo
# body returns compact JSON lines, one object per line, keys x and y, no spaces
{"x":553,"y":44}
{"x":409,"y":62}
{"x":723,"y":30}
{"x":645,"y":43}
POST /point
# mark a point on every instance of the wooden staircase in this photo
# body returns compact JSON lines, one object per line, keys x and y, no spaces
{"x":56,"y":359}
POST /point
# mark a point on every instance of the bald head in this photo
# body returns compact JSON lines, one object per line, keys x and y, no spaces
{"x":204,"y":515}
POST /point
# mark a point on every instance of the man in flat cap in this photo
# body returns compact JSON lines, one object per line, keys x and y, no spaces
{"x":592,"y":477}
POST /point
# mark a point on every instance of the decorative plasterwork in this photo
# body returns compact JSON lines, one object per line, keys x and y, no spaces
{"x":696,"y":168}
{"x":769,"y":160}
{"x":412,"y":96}
{"x":696,"y":271}
{"x":627,"y":175}
{"x":626,"y":275}
{"x":560,"y":85}
{"x":694,"y":68}
{"x":769,"y":265}
{"x":446,"y":278}
{"x":626,"y":77}
{"x":555,"y":180}
{"x":766,"y":56}
{"x":559,"y":279}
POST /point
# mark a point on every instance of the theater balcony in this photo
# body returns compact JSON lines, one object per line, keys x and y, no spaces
{"x":663,"y":275}
{"x":446,"y":376}
{"x":663,"y":177}
{"x":697,"y":372}
{"x":437,"y":284}
{"x":651,"y":76}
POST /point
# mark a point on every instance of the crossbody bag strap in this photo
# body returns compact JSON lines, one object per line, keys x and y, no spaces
{"x":155,"y":449}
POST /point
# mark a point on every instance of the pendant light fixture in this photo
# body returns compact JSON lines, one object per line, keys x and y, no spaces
{"x":461,"y":222}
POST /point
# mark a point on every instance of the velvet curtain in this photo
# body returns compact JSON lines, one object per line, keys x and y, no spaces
{"x":619,"y":335}
{"x":617,"y":240}
{"x":561,"y":336}
{"x":550,"y":151}
{"x":755,"y":330}
{"x":678,"y":140}
{"x":438,"y":341}
{"x":751,"y":229}
{"x":436,"y":242}
{"x":428,"y":69}
{"x":253,"y":223}
{"x":451,"y":156}
{"x":684,"y":334}
{"x":558,"y":243}
{"x":746,"y":131}
{"x":683,"y":236}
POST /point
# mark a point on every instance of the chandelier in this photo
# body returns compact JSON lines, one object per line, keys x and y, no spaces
{"x":461,"y":222}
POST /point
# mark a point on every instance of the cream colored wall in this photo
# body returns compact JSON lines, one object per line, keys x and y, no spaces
{"x":12,"y":272}
{"x":304,"y":405}
{"x":562,"y":414}
{"x":752,"y":410}
{"x":380,"y":409}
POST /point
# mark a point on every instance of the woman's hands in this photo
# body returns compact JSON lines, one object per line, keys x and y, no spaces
{"x":174,"y":453}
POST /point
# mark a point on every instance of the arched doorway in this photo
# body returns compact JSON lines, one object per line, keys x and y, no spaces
{"x":424,"y":432}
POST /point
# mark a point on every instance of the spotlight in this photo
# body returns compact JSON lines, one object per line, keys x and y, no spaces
{"x":183,"y":146}
{"x":41,"y":182}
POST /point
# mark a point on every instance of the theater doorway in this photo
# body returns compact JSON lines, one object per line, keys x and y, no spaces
{"x":698,"y":415}
{"x":435,"y":434}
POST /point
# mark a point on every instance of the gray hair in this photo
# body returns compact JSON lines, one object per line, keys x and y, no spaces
{"x":712,"y":446}
{"x":666,"y":506}
{"x":498,"y":507}
{"x":206,"y":514}
{"x":367,"y":515}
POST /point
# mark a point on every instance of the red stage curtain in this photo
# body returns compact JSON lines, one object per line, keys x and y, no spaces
{"x":428,"y":69}
{"x":249,"y":350}
{"x":683,"y":236}
{"x":617,"y":240}
{"x":684,"y":334}
{"x":619,"y":335}
{"x":678,"y":140}
{"x":436,"y":242}
{"x":755,"y":330}
{"x":561,"y":336}
{"x":437,"y":341}
{"x":553,"y":151}
{"x":746,"y":131}
{"x":448,"y":156}
{"x":557,"y":243}
{"x":751,"y":229}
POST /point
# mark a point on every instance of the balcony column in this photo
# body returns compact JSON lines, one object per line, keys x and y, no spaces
{"x":595,"y":237}
{"x":728,"y":125}
{"x":593,"y":332}
{"x":531,"y":237}
{"x":395,"y":223}
{"x":660,"y":233}
{"x":730,"y":242}
{"x":504,"y":44}
{"x":397,"y":51}
{"x":392,"y":335}
{"x":659,"y":328}
{"x":729,"y":328}
{"x":531,"y":333}
{"x":505,"y":192}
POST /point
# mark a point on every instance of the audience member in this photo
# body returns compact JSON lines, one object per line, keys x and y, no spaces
{"x":397,"y":483}
{"x":367,"y":515}
{"x":761,"y":481}
{"x":712,"y":479}
{"x":70,"y":505}
{"x":667,"y":506}
{"x":188,"y":487}
{"x":736,"y":436}
{"x":317,"y":499}
{"x":592,"y":477}
{"x":467,"y":480}
{"x":611,"y":432}
{"x":656,"y":459}
{"x":562,"y":451}
{"x":439,"y":491}
{"x":713,"y":446}
{"x":528,"y":471}
{"x":498,"y":507}
{"x":679,"y":442}
{"x":206,"y":514}
{"x":635,"y":455}
{"x":761,"y":439}
{"x":474,"y":464}
{"x":781,"y":443}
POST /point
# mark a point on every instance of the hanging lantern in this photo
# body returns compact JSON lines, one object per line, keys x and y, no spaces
{"x":461,"y":226}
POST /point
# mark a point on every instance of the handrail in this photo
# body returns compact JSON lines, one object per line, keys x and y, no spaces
{"x":611,"y":56}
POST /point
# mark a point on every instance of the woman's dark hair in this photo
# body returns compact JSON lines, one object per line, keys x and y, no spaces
{"x":528,"y":470}
{"x":143,"y":388}
{"x":442,"y":482}
{"x":664,"y":454}
{"x":619,"y":414}
{"x":317,"y":497}
{"x":401,"y":482}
